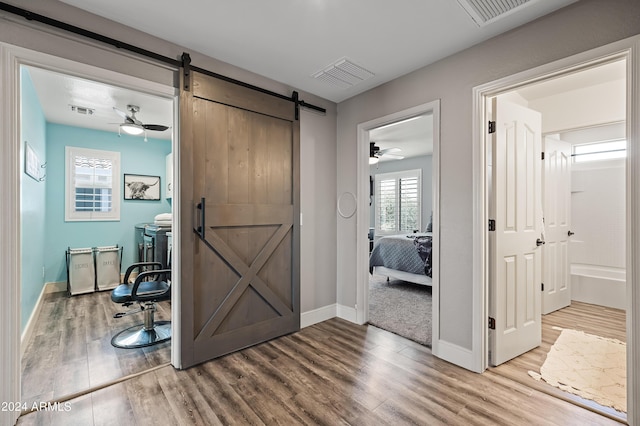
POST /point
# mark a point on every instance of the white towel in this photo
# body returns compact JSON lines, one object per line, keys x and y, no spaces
{"x":162,"y":222}
{"x":163,"y":217}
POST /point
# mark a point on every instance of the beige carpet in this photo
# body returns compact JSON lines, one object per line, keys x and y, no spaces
{"x":401,"y":308}
{"x":589,"y":366}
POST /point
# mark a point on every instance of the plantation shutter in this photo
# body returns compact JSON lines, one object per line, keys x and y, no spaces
{"x":398,"y":202}
{"x":93,"y":184}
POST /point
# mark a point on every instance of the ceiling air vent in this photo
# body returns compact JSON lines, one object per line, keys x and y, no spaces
{"x":343,"y":73}
{"x":484,"y":12}
{"x":82,"y":110}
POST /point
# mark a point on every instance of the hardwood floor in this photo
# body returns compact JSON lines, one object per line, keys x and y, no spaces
{"x":592,"y":319}
{"x":70,"y":350}
{"x":330,"y":373}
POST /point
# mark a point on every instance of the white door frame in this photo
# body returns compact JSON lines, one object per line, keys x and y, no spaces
{"x":628,"y":49}
{"x":363,"y":219}
{"x":11,"y":58}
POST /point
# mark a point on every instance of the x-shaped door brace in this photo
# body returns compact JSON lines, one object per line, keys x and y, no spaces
{"x":248,"y":274}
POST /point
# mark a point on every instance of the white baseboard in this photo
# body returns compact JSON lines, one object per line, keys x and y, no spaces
{"x":455,"y":354}
{"x":348,"y":313}
{"x":56,"y":287}
{"x":317,"y":315}
{"x":28,"y":330}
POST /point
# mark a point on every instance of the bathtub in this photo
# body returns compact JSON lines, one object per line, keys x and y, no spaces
{"x":599,"y":285}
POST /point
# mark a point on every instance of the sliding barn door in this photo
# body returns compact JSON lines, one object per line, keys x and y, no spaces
{"x":239,"y":184}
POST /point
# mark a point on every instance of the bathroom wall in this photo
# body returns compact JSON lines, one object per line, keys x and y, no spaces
{"x":136,"y":156}
{"x":32,"y":192}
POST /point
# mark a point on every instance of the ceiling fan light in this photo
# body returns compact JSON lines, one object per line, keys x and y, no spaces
{"x":373,"y":160}
{"x":132,"y":129}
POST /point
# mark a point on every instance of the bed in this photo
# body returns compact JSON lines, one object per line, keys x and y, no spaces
{"x":401,"y":257}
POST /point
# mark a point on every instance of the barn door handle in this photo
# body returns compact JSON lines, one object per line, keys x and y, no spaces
{"x":570,"y":233}
{"x":539,"y":242}
{"x":199,"y":229}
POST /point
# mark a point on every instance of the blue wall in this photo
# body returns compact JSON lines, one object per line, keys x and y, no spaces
{"x":136,"y":156}
{"x":32,"y":199}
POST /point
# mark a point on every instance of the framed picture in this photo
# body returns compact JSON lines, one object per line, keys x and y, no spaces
{"x":141,"y":187}
{"x":31,"y":162}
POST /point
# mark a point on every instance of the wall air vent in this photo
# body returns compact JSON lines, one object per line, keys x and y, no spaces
{"x":343,"y":73}
{"x":484,"y":12}
{"x":82,"y":110}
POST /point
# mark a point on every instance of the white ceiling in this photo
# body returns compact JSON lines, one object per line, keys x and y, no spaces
{"x":57,"y":92}
{"x":288,"y":41}
{"x":291,"y":40}
{"x":412,"y":138}
{"x":606,"y":73}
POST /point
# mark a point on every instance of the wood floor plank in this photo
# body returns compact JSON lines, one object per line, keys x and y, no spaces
{"x":331,"y":373}
{"x":593,"y":319}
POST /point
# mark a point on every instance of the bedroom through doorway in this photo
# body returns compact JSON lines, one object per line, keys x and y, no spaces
{"x":400,"y":237}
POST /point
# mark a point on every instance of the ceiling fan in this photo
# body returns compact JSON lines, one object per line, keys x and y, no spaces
{"x":133,"y":126}
{"x":375,"y":153}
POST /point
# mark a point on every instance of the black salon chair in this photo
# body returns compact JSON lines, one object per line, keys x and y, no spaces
{"x":152,"y":285}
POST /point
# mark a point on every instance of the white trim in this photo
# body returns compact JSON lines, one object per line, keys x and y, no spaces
{"x":362,"y":218}
{"x":347,"y":313}
{"x":11,"y":57}
{"x":51,"y":287}
{"x":9,"y":234}
{"x":318,"y":315}
{"x":629,"y":49}
{"x":31,"y":323}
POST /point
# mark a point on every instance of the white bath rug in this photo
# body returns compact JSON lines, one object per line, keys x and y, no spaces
{"x":589,"y":366}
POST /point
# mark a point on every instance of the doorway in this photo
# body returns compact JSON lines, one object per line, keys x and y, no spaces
{"x":565,"y":67}
{"x":431,"y":109}
{"x":17,"y":60}
{"x":583,"y":236}
{"x":400,"y":295}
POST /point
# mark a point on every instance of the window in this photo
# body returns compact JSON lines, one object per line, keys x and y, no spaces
{"x":398,"y":204}
{"x":599,"y":151}
{"x":92,"y":184}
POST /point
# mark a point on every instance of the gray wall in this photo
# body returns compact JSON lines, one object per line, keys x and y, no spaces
{"x":318,"y":132}
{"x":579,"y":27}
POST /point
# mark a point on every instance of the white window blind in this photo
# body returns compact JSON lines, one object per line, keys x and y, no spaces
{"x":398,"y":202}
{"x":92,"y":185}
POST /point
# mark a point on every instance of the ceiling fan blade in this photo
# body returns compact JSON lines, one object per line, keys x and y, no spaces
{"x":394,"y":156}
{"x":156,"y":127}
{"x":121,"y":113}
{"x":389,"y":150}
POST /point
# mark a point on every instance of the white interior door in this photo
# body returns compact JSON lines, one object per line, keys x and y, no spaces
{"x":556,"y":293}
{"x":515,"y":254}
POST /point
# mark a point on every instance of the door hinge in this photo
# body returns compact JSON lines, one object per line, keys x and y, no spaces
{"x":492,"y":224}
{"x":492,"y":323}
{"x":542,"y":286}
{"x":492,"y":127}
{"x":542,"y":155}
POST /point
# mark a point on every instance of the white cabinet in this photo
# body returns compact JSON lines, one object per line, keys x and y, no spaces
{"x":168,"y":187}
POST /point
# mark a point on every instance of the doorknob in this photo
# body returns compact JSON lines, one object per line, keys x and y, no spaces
{"x":539,"y":242}
{"x":570,"y":233}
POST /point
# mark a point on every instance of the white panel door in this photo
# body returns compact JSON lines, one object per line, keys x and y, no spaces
{"x":515,"y":246}
{"x":556,"y":208}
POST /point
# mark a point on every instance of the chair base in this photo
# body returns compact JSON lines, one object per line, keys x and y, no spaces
{"x":139,"y":337}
